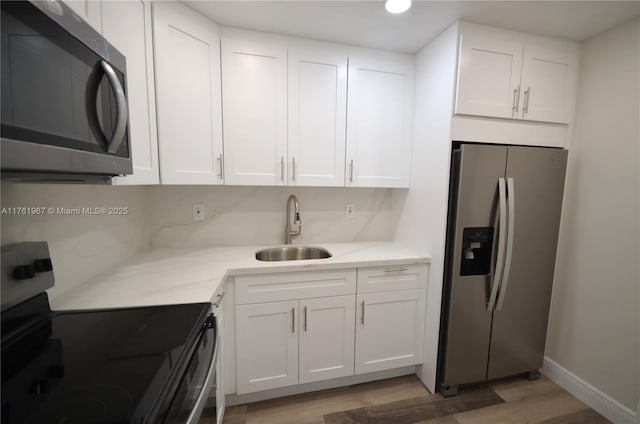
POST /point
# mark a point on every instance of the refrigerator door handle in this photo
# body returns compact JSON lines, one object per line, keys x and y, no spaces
{"x":502,"y":231}
{"x":511,"y":196}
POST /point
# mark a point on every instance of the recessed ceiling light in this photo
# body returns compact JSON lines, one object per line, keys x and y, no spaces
{"x":397,"y":6}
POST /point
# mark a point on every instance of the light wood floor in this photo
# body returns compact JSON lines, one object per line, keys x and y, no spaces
{"x":404,"y":400}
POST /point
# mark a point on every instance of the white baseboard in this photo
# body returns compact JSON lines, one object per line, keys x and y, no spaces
{"x":610,"y":408}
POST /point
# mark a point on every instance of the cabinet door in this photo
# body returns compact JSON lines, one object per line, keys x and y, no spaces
{"x":267,"y":345}
{"x":548,"y":84}
{"x":89,"y":10}
{"x":326,"y":338}
{"x":489,"y":73}
{"x":379,"y":119}
{"x":127,"y":25}
{"x":187,"y":51}
{"x":317,"y":118}
{"x":389,"y":330}
{"x":254,"y":88}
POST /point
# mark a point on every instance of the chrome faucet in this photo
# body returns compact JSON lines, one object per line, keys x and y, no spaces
{"x":292,"y":230}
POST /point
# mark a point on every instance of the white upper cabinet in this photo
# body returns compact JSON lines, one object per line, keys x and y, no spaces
{"x":89,"y":10}
{"x":503,"y":74}
{"x":548,"y":84}
{"x":488,"y":77}
{"x":254,"y":87}
{"x":379,"y":123}
{"x":317,"y":115}
{"x":187,"y":53}
{"x":127,"y":25}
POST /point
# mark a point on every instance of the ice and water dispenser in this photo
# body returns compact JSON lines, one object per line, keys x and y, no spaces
{"x":476,"y":251}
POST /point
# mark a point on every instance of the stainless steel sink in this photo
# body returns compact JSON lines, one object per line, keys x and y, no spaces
{"x":292,"y":253}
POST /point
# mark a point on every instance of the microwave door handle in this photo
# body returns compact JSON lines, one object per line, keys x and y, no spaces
{"x":121,"y":108}
{"x":502,"y":231}
{"x":201,"y":400}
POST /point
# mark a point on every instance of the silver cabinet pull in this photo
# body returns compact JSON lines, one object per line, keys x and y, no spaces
{"x":122,"y":112}
{"x":399,"y":269}
{"x":362,"y":316}
{"x":516,"y":99}
{"x":218,"y":300}
{"x":511,"y":201}
{"x":221,"y":166}
{"x":293,"y":177}
{"x":351,"y":171}
{"x":293,"y":320}
{"x":527,"y":94}
{"x":281,"y":168}
{"x":305,"y":318}
{"x":502,"y":234}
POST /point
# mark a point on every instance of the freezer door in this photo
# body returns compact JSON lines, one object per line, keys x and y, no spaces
{"x":520,"y":319}
{"x":466,"y":322}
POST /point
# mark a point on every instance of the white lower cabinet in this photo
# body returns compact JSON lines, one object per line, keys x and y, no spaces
{"x":390,"y":330}
{"x":267,"y":345}
{"x":304,"y":327}
{"x":326,"y":338}
{"x":291,"y":342}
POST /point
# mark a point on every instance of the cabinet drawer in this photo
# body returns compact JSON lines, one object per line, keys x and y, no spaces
{"x":290,"y":286}
{"x":391,"y":278}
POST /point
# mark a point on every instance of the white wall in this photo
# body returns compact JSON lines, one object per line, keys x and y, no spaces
{"x":594,"y":321}
{"x":81,"y":246}
{"x":240,"y":216}
{"x":423,"y":209}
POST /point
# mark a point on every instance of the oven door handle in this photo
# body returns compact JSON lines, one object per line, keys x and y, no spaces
{"x":201,"y":400}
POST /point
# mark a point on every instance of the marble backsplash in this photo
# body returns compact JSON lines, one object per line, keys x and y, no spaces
{"x":81,"y":245}
{"x":238,"y":216}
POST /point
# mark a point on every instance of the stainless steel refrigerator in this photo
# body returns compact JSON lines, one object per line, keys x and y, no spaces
{"x":502,"y":233}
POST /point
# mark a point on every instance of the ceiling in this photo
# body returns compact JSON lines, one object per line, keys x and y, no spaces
{"x":366,"y":23}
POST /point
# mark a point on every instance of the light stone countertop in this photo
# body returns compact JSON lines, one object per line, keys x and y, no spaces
{"x":173,"y":276}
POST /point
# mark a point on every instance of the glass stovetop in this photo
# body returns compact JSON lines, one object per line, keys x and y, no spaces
{"x":109,"y":366}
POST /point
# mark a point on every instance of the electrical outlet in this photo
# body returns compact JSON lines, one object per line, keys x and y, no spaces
{"x":198,"y":212}
{"x":350,"y":211}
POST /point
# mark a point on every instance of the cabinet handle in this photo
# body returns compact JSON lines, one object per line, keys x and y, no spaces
{"x":293,"y":177}
{"x":293,"y":320}
{"x":351,"y":171}
{"x":305,"y":318}
{"x":400,"y":269}
{"x":218,"y":300}
{"x":281,"y":168}
{"x":516,"y":99}
{"x":362,"y":316}
{"x":221,"y":174}
{"x":527,"y":94}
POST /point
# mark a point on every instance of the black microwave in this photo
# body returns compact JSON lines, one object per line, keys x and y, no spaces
{"x":64,"y":97}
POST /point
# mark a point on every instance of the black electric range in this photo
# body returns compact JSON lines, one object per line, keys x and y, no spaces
{"x":131,"y":365}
